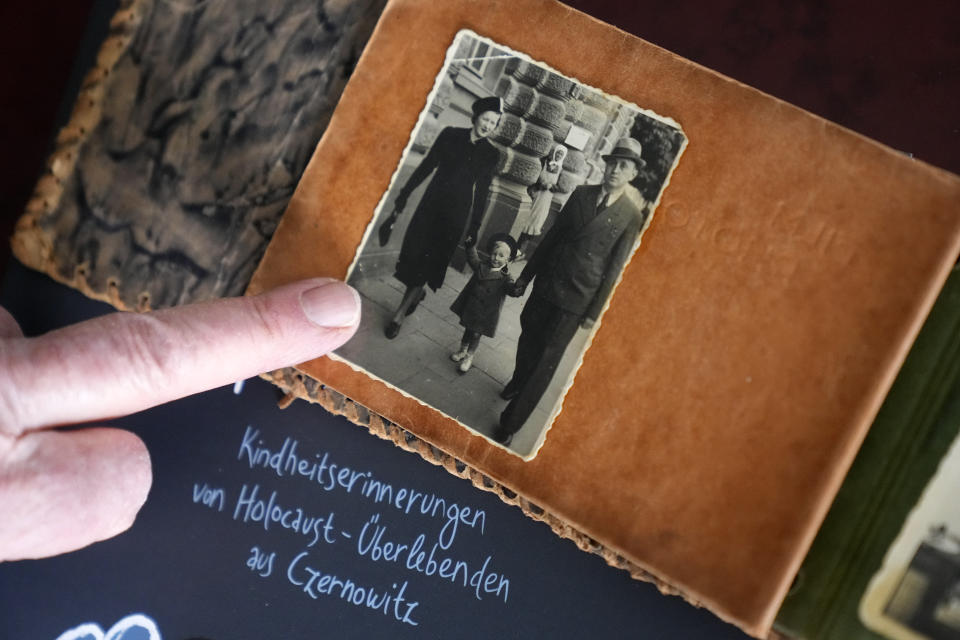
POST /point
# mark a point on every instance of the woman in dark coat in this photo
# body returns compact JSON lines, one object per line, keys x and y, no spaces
{"x":452,"y":205}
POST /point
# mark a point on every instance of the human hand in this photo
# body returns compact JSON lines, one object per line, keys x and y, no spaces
{"x":386,"y":227}
{"x":62,"y":490}
{"x":519,"y":287}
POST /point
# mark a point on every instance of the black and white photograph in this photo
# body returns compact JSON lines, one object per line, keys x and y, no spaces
{"x":520,"y":198}
{"x":916,"y":593}
{"x":927,"y":598}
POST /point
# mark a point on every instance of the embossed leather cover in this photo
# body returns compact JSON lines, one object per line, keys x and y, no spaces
{"x":185,"y":143}
{"x":753,"y":336}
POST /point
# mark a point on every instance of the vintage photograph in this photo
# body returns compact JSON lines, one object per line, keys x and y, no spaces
{"x":518,"y":201}
{"x":916,"y":593}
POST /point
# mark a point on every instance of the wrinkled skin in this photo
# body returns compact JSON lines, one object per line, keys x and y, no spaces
{"x":62,"y":490}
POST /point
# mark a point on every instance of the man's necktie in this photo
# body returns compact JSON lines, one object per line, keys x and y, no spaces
{"x":602,"y":202}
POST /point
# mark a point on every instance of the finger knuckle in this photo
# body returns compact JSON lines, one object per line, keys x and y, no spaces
{"x":9,"y":414}
{"x":266,"y":317}
{"x":147,"y":348}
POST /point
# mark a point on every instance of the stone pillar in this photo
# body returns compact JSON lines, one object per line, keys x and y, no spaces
{"x":535,"y":107}
{"x":507,"y":199}
{"x":541,"y":109}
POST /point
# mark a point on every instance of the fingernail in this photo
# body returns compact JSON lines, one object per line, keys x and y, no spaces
{"x":331,"y":305}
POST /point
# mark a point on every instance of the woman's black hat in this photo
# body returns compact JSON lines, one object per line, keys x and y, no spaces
{"x":492,"y":103}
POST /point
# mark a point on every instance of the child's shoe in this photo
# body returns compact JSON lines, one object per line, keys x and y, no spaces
{"x":459,"y":355}
{"x":466,"y":363}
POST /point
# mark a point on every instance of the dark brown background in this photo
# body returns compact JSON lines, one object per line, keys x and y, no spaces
{"x":890,"y":71}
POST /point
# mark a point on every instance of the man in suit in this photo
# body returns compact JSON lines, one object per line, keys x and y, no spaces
{"x":573,"y":271}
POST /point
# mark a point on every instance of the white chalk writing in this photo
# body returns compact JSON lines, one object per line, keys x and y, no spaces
{"x":210,"y":497}
{"x":430,"y":554}
{"x":329,"y":475}
{"x":252,"y":508}
{"x":261,"y":562}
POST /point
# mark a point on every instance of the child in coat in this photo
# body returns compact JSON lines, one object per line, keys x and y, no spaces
{"x":480,"y":302}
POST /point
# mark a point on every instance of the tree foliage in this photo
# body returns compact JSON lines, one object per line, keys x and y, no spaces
{"x":661,"y":143}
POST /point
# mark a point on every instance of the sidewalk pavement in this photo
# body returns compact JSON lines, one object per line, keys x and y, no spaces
{"x":418,"y":360}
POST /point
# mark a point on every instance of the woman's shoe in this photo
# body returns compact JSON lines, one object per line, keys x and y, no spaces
{"x":392,"y":330}
{"x":466,"y":363}
{"x":416,"y":303}
{"x":501,"y":436}
{"x":459,"y":355}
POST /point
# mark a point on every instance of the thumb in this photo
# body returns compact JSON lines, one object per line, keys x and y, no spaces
{"x":63,"y":490}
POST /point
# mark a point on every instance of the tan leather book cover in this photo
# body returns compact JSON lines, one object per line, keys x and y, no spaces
{"x":782,"y":276}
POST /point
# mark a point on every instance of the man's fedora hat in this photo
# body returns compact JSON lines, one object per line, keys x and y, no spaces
{"x":629,"y":149}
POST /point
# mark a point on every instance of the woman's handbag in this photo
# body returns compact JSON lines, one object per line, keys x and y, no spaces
{"x":386,"y":228}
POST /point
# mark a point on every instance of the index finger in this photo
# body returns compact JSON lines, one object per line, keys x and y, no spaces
{"x":125,"y":362}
